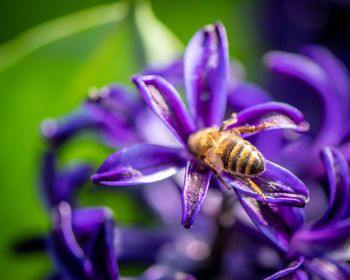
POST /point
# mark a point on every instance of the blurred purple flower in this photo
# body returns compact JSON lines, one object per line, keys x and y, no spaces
{"x":82,"y":243}
{"x":85,"y":244}
{"x":205,"y":80}
{"x":318,"y":249}
{"x":318,"y":83}
{"x":114,"y":112}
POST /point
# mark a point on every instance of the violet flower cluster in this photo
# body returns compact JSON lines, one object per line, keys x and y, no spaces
{"x":205,"y":79}
{"x":235,"y":233}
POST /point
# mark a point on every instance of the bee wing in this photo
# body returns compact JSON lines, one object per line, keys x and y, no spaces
{"x":213,"y":160}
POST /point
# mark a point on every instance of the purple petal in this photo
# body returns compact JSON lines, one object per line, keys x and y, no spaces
{"x":277,"y":223}
{"x":69,"y":181}
{"x":172,"y":72}
{"x":301,"y":275}
{"x":335,"y":69}
{"x":205,"y":75}
{"x":86,"y":221}
{"x":116,"y":98}
{"x":64,"y":247}
{"x":246,"y":95}
{"x":95,"y":227}
{"x":113,"y":110}
{"x":318,"y":241}
{"x":62,"y":186}
{"x":338,"y":174}
{"x":278,"y":185}
{"x":59,"y":131}
{"x":166,"y":103}
{"x":280,"y":115}
{"x":326,"y":269}
{"x":307,"y":71}
{"x":288,"y":273}
{"x":195,"y":189}
{"x":138,"y":164}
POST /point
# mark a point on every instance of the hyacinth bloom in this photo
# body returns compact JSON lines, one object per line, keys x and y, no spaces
{"x":115,"y":112}
{"x":316,"y":249}
{"x":318,"y":83}
{"x":84,"y":242}
{"x":205,"y":80}
{"x":90,"y":258}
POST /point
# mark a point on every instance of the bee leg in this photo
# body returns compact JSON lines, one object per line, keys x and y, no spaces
{"x":216,"y":164}
{"x":222,"y":180}
{"x":228,"y":122}
{"x":213,"y":160}
{"x":251,"y":129}
{"x":254,"y":187}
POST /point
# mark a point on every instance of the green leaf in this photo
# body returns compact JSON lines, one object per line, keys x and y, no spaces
{"x":57,"y":29}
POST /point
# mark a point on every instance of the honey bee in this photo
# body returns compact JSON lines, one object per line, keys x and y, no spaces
{"x":225,"y":150}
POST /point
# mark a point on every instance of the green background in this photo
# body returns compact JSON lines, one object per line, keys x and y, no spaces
{"x":52,"y":52}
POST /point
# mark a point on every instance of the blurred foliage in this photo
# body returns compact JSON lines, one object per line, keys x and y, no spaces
{"x":47,"y":70}
{"x":19,"y":15}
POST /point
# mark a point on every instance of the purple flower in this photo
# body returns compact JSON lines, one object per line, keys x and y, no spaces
{"x":205,"y":80}
{"x":317,"y":248}
{"x":114,"y":113}
{"x":82,"y":243}
{"x":85,"y":244}
{"x":318,"y":83}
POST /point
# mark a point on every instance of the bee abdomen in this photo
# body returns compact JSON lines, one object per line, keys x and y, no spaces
{"x":243,"y":158}
{"x":229,"y":152}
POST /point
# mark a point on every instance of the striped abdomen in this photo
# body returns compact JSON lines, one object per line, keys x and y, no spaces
{"x":242,"y":158}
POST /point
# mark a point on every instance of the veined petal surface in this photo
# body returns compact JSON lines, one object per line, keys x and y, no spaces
{"x":139,"y":164}
{"x":278,"y":223}
{"x":166,"y":103}
{"x":197,"y":178}
{"x":279,"y":115}
{"x":278,"y":185}
{"x":206,"y":66}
